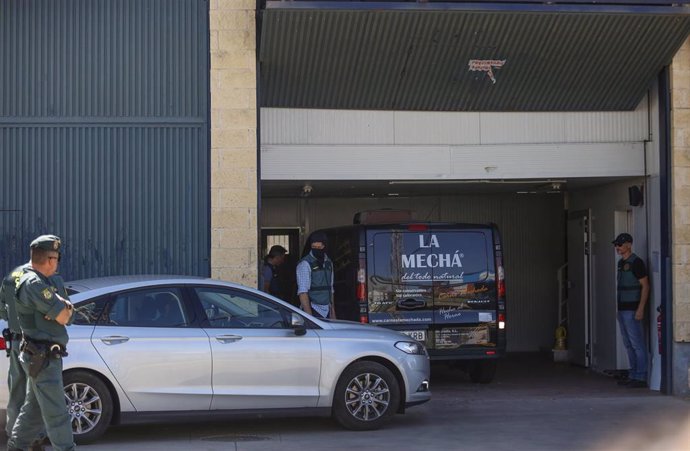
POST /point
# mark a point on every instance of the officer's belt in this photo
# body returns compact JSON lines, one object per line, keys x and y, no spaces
{"x":55,"y":349}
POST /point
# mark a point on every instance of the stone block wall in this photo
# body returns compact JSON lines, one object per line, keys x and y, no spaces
{"x":680,"y":136}
{"x":233,"y":141}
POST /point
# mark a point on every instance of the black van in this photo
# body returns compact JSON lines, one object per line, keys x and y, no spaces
{"x":440,"y":283}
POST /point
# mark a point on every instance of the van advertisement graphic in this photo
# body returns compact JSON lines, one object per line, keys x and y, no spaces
{"x":435,"y":264}
{"x":426,"y":278}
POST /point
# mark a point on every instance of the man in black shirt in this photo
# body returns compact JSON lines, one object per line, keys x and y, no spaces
{"x":632,"y":297}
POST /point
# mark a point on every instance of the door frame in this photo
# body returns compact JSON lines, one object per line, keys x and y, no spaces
{"x":586,"y":215}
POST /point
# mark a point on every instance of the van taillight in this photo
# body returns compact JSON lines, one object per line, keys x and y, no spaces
{"x":501,"y":320}
{"x":361,"y":285}
{"x":501,"y":279}
{"x":3,"y":344}
{"x":362,"y":292}
{"x":417,"y":227}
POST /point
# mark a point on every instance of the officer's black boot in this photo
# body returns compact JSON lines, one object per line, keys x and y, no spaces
{"x":37,"y":446}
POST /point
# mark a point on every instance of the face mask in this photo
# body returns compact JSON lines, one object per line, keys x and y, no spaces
{"x":318,"y":253}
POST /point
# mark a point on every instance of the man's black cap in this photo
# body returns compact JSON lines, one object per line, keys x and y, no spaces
{"x":318,"y":237}
{"x":277,"y":250}
{"x":47,"y":242}
{"x":623,"y":238}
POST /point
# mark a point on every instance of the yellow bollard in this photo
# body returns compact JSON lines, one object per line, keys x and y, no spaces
{"x":560,"y":338}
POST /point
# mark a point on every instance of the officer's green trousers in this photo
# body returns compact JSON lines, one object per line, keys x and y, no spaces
{"x":16,"y":383}
{"x":44,"y":404}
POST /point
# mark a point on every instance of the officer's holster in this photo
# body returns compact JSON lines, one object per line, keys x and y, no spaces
{"x":39,"y":352}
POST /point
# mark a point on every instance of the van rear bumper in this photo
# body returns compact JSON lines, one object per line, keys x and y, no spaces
{"x":467,"y":354}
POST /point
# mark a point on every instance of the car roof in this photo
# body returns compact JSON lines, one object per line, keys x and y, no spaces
{"x":88,"y":288}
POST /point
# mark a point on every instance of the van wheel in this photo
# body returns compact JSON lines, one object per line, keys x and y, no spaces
{"x":367,"y":395}
{"x":89,"y":404}
{"x":483,"y":371}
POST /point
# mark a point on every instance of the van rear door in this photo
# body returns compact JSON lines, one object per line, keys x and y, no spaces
{"x":400,"y":290}
{"x":464,"y":289}
{"x":436,"y":283}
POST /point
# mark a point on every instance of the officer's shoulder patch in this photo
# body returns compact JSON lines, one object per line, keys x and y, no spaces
{"x":47,"y":293}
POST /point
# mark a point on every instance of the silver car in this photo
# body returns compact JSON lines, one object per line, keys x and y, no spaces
{"x":169,"y":345}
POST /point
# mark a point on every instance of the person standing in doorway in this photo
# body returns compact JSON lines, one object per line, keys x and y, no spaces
{"x":632,"y":297}
{"x":43,"y":314}
{"x":315,"y":279}
{"x":270,"y":273}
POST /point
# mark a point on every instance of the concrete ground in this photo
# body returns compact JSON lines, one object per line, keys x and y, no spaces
{"x":532,"y":405}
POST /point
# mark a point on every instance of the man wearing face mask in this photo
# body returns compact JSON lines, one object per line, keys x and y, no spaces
{"x":315,"y":279}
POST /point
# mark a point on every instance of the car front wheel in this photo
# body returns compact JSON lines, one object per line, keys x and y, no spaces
{"x":366,"y":396}
{"x":89,"y":404}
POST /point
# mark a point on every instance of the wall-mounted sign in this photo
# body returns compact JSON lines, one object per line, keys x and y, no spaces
{"x":487,"y":66}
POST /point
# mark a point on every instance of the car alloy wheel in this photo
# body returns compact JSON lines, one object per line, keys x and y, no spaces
{"x":84,"y":406}
{"x":366,"y":396}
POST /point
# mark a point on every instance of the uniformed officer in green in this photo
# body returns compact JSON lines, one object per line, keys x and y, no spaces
{"x":43,"y":315}
{"x":16,"y":376}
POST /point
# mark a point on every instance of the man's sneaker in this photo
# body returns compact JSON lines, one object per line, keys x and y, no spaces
{"x":624,"y":382}
{"x":637,"y":384}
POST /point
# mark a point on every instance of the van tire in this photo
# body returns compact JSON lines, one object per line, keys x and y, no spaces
{"x":483,"y":371}
{"x":350,"y":410}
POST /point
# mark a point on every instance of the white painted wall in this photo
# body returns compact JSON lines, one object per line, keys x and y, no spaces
{"x":285,"y":126}
{"x":424,"y":162}
{"x":396,"y":145}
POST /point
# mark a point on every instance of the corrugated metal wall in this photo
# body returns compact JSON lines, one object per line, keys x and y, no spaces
{"x":104,"y":119}
{"x":551,"y":58}
{"x":532,"y":227}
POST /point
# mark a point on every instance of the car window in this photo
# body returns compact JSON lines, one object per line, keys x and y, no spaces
{"x":232,"y":309}
{"x":160,"y":307}
{"x":87,"y":313}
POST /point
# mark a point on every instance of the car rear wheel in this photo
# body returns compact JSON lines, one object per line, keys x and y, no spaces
{"x":366,"y":396}
{"x":89,"y":404}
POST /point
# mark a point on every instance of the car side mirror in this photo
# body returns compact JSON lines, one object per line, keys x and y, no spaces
{"x":297,"y":323}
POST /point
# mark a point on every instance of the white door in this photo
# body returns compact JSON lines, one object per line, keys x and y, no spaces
{"x":258,"y":360}
{"x":580,"y":287}
{"x":159,"y":362}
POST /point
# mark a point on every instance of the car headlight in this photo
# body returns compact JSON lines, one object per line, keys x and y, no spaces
{"x":411,"y":347}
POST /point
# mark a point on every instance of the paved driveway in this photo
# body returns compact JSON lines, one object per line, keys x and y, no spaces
{"x":533,"y":405}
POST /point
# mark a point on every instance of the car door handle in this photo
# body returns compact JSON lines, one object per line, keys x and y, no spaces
{"x":114,"y":339}
{"x":228,"y":338}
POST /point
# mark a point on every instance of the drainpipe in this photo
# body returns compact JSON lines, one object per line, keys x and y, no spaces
{"x":666,"y":191}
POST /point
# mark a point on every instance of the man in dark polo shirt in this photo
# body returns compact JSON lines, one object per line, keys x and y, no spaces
{"x":632,"y":297}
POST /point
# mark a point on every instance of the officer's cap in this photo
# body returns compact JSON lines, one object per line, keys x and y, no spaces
{"x":47,"y":242}
{"x":622,"y":238}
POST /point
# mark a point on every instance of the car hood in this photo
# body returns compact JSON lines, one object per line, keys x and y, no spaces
{"x":367,"y":329}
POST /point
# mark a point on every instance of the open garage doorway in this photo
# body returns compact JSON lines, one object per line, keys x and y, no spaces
{"x":526,"y":172}
{"x":598,"y":215}
{"x":537,"y":222}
